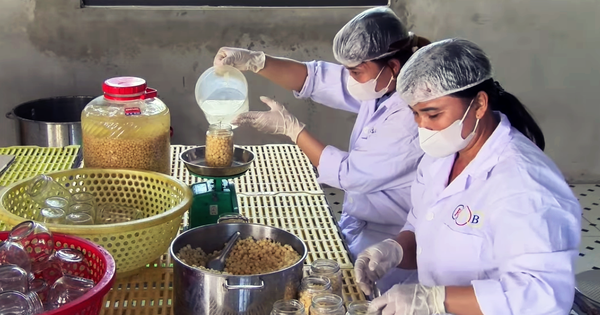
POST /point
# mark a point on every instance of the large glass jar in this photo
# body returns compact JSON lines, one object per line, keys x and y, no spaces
{"x":330,"y":269}
{"x":128,"y":127}
{"x":311,"y":286}
{"x":327,"y":304}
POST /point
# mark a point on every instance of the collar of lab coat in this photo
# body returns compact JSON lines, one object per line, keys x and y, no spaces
{"x":485,"y":160}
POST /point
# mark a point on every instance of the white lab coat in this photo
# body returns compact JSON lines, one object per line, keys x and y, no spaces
{"x":509,"y":225}
{"x":377,"y":171}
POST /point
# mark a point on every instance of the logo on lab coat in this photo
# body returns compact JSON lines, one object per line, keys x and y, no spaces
{"x":463,"y":215}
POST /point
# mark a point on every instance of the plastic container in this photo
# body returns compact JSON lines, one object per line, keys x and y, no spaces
{"x":330,"y":269}
{"x":219,"y":145}
{"x":127,"y":128}
{"x":312,"y":286}
{"x":327,"y":304}
{"x":222,"y":94}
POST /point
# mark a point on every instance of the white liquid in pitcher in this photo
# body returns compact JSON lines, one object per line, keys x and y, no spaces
{"x":223,"y":105}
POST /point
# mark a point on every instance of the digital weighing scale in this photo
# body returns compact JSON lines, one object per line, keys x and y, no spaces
{"x":216,"y":195}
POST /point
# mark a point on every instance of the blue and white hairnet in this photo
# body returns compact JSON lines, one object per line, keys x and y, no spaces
{"x":442,"y":68}
{"x":368,"y":36}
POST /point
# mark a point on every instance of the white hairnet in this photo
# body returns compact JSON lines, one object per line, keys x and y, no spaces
{"x":368,"y":36}
{"x":442,"y":68}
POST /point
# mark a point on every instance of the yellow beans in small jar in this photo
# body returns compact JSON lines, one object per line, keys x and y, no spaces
{"x":219,"y":145}
{"x":311,"y":286}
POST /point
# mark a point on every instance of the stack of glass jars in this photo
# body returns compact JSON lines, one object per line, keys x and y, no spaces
{"x":33,"y":277}
{"x":59,"y":206}
{"x":321,"y":294}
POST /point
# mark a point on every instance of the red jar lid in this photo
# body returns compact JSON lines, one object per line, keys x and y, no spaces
{"x":127,"y":88}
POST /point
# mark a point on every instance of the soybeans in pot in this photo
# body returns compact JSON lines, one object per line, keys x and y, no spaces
{"x":219,"y":145}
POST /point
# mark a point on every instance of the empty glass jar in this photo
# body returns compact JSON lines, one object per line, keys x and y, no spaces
{"x":13,"y":278}
{"x":17,"y":303}
{"x":358,"y":308}
{"x":66,"y":261}
{"x":43,"y":187}
{"x":327,"y":304}
{"x":38,"y":242}
{"x":52,"y":215}
{"x":330,"y":269}
{"x":14,"y":253}
{"x":67,"y":289}
{"x":79,"y":218}
{"x":288,"y":307}
{"x":311,"y":286}
{"x":85,"y":198}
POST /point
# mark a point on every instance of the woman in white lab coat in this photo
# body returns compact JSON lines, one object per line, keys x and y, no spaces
{"x":378,"y":169}
{"x":494,"y":227}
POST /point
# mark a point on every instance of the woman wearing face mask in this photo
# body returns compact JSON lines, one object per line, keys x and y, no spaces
{"x":377,"y":171}
{"x":494,"y":227}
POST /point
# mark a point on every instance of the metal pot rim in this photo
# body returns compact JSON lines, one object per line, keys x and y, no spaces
{"x":11,"y":114}
{"x":300,"y":261}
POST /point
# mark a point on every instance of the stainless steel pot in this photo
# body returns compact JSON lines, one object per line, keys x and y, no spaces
{"x":50,"y":122}
{"x":199,"y":292}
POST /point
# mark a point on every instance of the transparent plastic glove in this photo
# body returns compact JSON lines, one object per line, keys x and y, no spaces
{"x":239,"y":58}
{"x":375,"y":261}
{"x":411,"y":299}
{"x":277,"y":121}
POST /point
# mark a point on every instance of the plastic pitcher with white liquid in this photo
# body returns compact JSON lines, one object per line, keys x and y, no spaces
{"x":222,"y":94}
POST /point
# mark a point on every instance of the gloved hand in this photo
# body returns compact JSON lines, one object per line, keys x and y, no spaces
{"x":241,"y":59}
{"x":277,"y":121}
{"x":411,"y":299}
{"x":375,"y":261}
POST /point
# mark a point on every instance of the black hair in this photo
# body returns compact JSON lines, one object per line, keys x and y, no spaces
{"x":404,"y":50}
{"x":509,"y":105}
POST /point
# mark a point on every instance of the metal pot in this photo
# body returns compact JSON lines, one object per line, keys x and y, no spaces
{"x":50,"y":122}
{"x":197,"y":292}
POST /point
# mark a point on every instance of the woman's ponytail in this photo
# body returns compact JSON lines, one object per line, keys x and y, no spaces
{"x":509,"y":105}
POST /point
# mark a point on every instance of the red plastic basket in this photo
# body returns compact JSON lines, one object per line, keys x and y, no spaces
{"x":102,"y":270}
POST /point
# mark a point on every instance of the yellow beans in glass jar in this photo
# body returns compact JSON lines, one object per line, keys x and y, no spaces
{"x":127,"y":127}
{"x":219,"y":145}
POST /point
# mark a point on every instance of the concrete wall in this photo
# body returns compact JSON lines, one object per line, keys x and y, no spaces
{"x":544,"y":51}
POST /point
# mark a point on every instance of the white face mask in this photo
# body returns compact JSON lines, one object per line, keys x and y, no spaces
{"x":366,"y":91}
{"x":447,"y":141}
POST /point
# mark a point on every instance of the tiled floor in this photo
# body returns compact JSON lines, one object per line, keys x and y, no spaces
{"x":589,"y":197}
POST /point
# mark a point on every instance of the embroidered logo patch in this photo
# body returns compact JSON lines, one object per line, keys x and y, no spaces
{"x":463,"y":215}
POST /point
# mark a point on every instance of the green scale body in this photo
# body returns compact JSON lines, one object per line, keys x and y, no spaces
{"x":212,"y":198}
